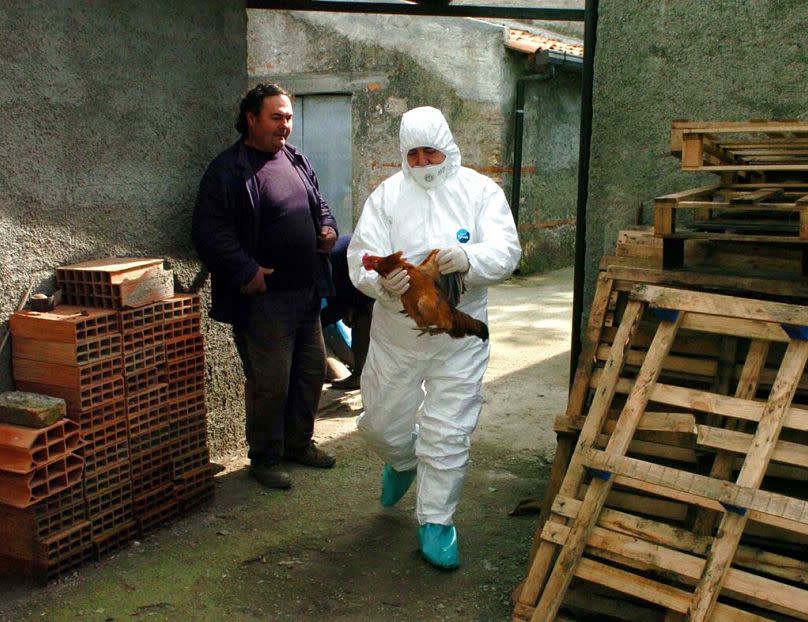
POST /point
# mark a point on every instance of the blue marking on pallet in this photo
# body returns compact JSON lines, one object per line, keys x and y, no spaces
{"x":735,"y":509}
{"x":666,"y":315}
{"x":795,"y":331}
{"x":599,"y":473}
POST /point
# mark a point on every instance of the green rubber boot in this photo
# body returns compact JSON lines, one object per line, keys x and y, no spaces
{"x":439,"y":545}
{"x":394,"y":485}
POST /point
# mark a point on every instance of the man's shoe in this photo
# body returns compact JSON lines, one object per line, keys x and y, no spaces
{"x":438,"y":545}
{"x":312,"y":456}
{"x":349,"y":383}
{"x":394,"y":485}
{"x":271,"y":475}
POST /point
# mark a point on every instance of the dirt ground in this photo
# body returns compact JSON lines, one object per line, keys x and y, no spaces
{"x":326,"y":550}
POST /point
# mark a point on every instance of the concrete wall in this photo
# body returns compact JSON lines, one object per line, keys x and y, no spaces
{"x":110,"y":114}
{"x":389,"y":65}
{"x":682,"y":59}
{"x":549,"y":184}
{"x":393,"y":63}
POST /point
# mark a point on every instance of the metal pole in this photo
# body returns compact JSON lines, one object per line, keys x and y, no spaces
{"x":448,"y":10}
{"x":590,"y":36}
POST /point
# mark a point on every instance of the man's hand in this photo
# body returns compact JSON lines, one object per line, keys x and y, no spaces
{"x":452,"y":259}
{"x":326,"y":239}
{"x":257,"y":285}
{"x":397,"y":283}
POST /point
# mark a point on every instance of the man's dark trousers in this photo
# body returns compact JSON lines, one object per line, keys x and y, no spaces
{"x":283,"y":355}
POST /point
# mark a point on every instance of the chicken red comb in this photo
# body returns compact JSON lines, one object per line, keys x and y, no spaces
{"x":366,"y":261}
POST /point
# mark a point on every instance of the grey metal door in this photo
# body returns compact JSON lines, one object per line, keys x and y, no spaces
{"x":322,"y":131}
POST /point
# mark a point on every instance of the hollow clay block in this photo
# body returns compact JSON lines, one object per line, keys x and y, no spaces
{"x":30,"y":409}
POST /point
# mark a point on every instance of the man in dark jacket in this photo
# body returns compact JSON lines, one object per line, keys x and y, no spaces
{"x":264,"y":232}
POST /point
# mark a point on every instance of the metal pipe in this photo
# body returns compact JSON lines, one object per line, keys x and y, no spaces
{"x":449,"y":10}
{"x":590,"y":39}
{"x":518,"y":136}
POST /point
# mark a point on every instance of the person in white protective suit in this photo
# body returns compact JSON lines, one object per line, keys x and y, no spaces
{"x":422,"y":394}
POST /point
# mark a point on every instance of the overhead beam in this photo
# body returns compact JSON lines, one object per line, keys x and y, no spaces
{"x":449,"y":10}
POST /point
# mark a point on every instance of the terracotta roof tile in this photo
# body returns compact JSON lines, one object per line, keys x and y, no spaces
{"x":531,"y":43}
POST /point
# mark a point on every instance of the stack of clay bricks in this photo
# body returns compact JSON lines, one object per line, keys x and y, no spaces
{"x":42,"y":507}
{"x":164,"y":370}
{"x":127,"y":356}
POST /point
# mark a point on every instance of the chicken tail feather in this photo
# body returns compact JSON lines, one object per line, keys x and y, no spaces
{"x":463,"y":324}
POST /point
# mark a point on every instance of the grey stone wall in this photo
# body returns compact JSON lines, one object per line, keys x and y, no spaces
{"x":688,"y":59}
{"x":111,"y":112}
{"x":389,"y":65}
{"x":393,"y":63}
{"x":549,"y":184}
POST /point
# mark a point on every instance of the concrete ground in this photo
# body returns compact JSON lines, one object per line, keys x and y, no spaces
{"x":326,"y":550}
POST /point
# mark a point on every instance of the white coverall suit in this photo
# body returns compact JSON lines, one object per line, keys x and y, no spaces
{"x":422,"y":394}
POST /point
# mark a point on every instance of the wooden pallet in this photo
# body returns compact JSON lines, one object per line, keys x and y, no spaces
{"x":645,"y":525}
{"x":637,"y":260}
{"x":741,"y":147}
{"x":756,"y":213}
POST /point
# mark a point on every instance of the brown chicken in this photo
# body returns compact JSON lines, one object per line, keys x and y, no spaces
{"x":432,"y":297}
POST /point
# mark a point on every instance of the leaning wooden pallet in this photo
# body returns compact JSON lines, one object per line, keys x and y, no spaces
{"x":664,"y":562}
{"x":705,"y":360}
{"x":616,"y":279}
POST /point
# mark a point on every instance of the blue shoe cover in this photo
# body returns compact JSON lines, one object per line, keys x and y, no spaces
{"x":439,"y":545}
{"x":394,"y":485}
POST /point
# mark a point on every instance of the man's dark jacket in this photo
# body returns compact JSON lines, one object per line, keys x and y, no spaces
{"x":226,"y":227}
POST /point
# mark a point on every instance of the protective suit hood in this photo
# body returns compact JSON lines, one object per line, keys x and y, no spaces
{"x":427,"y":127}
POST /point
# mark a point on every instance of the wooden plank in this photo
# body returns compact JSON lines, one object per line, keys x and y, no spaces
{"x":656,"y":449}
{"x":691,"y":365}
{"x":739,"y":584}
{"x":653,"y":591}
{"x":740,"y":443}
{"x":756,"y":196}
{"x":746,"y":389}
{"x":676,"y":508}
{"x":570,"y":554}
{"x":751,"y":475}
{"x":664,"y":217}
{"x":735,"y":237}
{"x":735,"y":208}
{"x":739,"y":127}
{"x":592,"y":335}
{"x":759,"y":560}
{"x":597,"y":414}
{"x":687,"y":342}
{"x":716,"y":493}
{"x":704,"y":401}
{"x":575,"y":401}
{"x":744,"y":258}
{"x":721,"y":305}
{"x":736,"y":327}
{"x":692,"y":151}
{"x":591,"y":601}
{"x":129,"y":266}
{"x":676,"y":197}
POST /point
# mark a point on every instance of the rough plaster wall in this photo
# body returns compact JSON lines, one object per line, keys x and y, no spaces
{"x":681,"y":59}
{"x":386,"y":80}
{"x":550,"y":173}
{"x":465,"y":54}
{"x":111,"y":112}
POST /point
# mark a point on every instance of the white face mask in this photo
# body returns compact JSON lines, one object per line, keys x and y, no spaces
{"x":429,"y":176}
